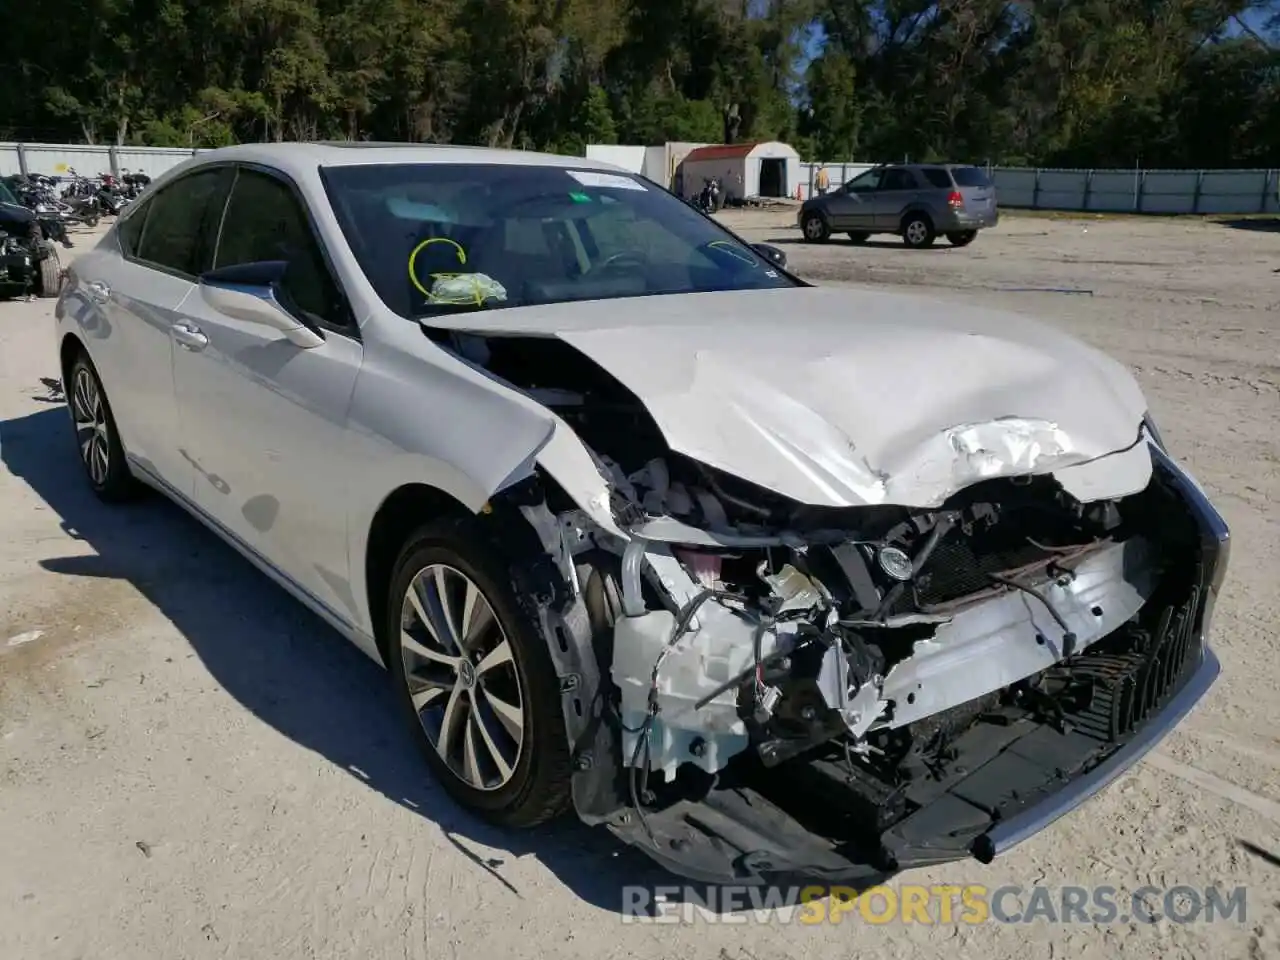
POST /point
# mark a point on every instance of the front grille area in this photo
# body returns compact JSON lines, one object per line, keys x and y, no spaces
{"x":1123,"y":688}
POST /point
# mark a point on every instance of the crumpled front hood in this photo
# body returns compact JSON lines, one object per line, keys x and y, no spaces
{"x":843,"y":397}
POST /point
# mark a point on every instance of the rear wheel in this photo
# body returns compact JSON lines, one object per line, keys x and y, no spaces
{"x":474,"y":678}
{"x":859,"y":237}
{"x":961,"y":238}
{"x":97,"y":438}
{"x":917,"y":231}
{"x":815,"y":227}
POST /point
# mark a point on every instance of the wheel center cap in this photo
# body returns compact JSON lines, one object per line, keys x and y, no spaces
{"x":466,"y":673}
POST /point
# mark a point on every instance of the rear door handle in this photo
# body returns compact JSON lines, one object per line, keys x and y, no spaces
{"x":189,"y":335}
{"x":99,"y":292}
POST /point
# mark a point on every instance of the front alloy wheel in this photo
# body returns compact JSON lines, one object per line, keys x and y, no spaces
{"x":471,"y":668}
{"x":462,"y":681}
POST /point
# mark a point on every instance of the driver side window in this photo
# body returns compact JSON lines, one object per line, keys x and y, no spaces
{"x":265,"y":221}
{"x":865,"y":182}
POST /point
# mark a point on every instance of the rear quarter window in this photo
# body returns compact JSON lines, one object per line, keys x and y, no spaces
{"x":937,"y":177}
{"x":970,"y":177}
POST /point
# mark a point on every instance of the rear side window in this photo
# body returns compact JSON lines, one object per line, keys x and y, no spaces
{"x":898,"y":179}
{"x":937,"y":177}
{"x":970,"y":177}
{"x":266,"y":221}
{"x":130,"y":230}
{"x":173,"y":233}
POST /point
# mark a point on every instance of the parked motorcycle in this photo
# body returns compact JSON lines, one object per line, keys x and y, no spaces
{"x":711,"y":197}
{"x":81,"y":196}
{"x":35,"y":195}
{"x":134,"y":183}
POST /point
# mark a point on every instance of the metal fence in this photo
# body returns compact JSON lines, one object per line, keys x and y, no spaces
{"x":1113,"y":191}
{"x":55,"y":159}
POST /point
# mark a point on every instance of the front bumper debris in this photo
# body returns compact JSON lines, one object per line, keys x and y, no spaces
{"x":1009,"y":785}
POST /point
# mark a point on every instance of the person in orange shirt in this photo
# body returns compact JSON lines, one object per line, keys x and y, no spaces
{"x":821,"y":181}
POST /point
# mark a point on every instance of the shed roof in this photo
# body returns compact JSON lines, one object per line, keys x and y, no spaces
{"x":728,"y":151}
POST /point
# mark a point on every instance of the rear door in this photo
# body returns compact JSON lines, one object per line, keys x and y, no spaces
{"x":898,"y":190}
{"x":161,"y":246}
{"x":978,"y":191}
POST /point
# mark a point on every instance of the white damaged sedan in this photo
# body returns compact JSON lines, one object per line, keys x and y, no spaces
{"x":767,"y":578}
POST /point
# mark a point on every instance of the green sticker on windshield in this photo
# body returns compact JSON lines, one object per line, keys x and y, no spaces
{"x":579,"y":198}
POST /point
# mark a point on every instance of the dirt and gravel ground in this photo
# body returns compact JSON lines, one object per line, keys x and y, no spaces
{"x":193,"y":766}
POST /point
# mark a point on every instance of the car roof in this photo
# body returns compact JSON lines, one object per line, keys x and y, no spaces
{"x":298,"y":158}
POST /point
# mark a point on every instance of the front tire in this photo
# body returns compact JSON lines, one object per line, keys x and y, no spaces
{"x":49,"y":281}
{"x":815,"y":228}
{"x":97,"y":438}
{"x":474,"y":679}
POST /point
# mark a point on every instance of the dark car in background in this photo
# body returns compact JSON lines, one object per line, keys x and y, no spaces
{"x":916,"y":201}
{"x":29,"y":263}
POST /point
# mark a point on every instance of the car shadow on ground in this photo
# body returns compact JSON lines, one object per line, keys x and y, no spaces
{"x":839,"y":240}
{"x":285,"y":665}
{"x":1255,"y":224}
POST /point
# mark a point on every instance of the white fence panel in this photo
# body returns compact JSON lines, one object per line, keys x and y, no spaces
{"x":55,"y":159}
{"x":10,"y":163}
{"x":152,"y":161}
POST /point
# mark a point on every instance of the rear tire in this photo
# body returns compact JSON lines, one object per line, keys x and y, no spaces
{"x":97,"y":439}
{"x":917,"y":231}
{"x":859,"y":237}
{"x":962,"y":238}
{"x":490,"y":723}
{"x":815,"y":228}
{"x":49,"y":281}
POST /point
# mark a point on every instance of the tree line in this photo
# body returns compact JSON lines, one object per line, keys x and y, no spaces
{"x":1171,"y":83}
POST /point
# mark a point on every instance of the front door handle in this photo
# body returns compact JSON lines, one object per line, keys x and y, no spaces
{"x":99,"y":292}
{"x":189,"y":336}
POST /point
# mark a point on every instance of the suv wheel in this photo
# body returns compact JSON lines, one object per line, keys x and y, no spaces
{"x":917,"y":231}
{"x":815,"y":227}
{"x":474,"y":678}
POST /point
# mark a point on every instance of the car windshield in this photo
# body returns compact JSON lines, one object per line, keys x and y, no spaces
{"x":970,"y":177}
{"x":444,"y":237}
{"x":6,"y":196}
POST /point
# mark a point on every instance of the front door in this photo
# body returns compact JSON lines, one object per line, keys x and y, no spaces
{"x":268,"y":419}
{"x":850,"y":207}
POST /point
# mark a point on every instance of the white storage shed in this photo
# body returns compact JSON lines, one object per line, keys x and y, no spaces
{"x":769,"y":169}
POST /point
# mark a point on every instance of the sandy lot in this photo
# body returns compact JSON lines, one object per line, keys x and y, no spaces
{"x":193,"y":766}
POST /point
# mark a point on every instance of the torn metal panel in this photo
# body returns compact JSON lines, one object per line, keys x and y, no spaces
{"x":1107,"y":478}
{"x":1007,"y":638}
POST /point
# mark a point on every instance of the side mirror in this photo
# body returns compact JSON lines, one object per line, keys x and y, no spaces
{"x":249,"y":291}
{"x":770,"y":253}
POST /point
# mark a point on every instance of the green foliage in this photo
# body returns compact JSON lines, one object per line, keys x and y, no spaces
{"x":1066,"y":82}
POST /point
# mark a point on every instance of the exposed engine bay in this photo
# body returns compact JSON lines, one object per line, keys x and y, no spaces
{"x":849,"y":666}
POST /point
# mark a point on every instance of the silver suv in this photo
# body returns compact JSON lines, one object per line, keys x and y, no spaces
{"x":915,"y":201}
